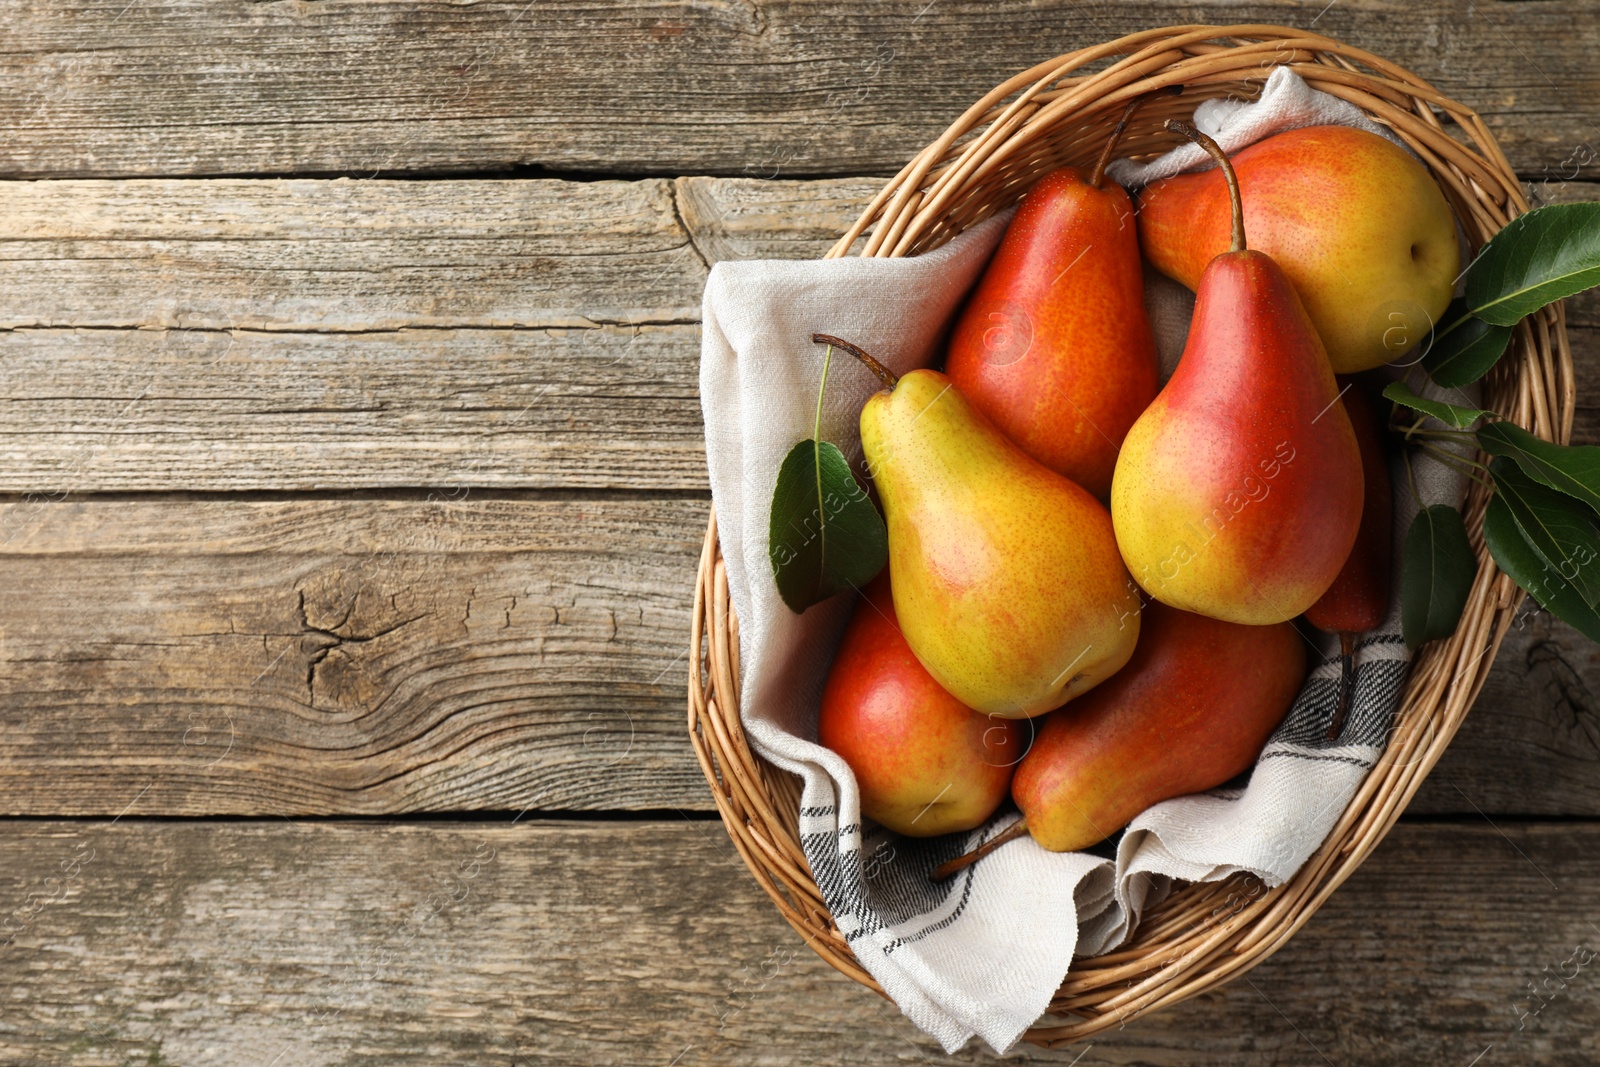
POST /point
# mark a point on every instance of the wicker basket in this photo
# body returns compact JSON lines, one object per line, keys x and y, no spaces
{"x":1059,"y":113}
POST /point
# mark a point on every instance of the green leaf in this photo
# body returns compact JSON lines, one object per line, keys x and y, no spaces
{"x":1466,"y":350}
{"x":1571,"y":469}
{"x":1437,"y":569}
{"x":1518,"y":559}
{"x":1450,"y":414}
{"x":1538,"y":258}
{"x":825,"y":535}
{"x":1559,"y":529}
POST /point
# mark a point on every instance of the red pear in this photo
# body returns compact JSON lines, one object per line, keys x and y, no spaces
{"x":1054,"y":345}
{"x":1191,"y":710}
{"x":1358,"y":599}
{"x":1238,"y":492}
{"x":925,"y":762}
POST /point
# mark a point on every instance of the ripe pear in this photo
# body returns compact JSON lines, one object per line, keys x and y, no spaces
{"x":1359,"y":597}
{"x":925,"y":762}
{"x":1357,"y":224}
{"x":1190,"y":711}
{"x":1006,"y":576}
{"x":1054,"y":344}
{"x":1238,"y":492}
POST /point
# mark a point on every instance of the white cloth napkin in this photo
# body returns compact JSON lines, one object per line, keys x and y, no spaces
{"x":983,"y":953}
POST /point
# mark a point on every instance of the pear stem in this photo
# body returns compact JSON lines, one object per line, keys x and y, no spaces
{"x":961,"y":863}
{"x":885,"y":375}
{"x":816,"y":424}
{"x":1099,"y":170}
{"x":1347,"y":678}
{"x":1215,"y":151}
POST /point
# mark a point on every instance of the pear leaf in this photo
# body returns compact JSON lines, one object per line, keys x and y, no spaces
{"x":825,"y":535}
{"x":1518,"y":559}
{"x":1437,"y":569}
{"x":1449,"y":414}
{"x":1559,"y":529}
{"x":1571,"y":469}
{"x":1464,"y":351}
{"x":1536,"y":259}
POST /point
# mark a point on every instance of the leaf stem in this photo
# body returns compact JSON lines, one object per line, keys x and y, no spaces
{"x":1413,"y":428}
{"x":1411,"y":478}
{"x":1464,"y":466}
{"x":1416,"y":431}
{"x":816,"y":424}
{"x":1439,"y":333}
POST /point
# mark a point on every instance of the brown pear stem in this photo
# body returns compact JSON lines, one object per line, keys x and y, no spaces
{"x":1215,"y":151}
{"x":1347,"y":680}
{"x":1099,"y":170}
{"x":961,"y":863}
{"x":1100,"y":164}
{"x":885,"y":375}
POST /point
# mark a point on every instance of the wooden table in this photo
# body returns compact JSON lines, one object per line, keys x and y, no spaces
{"x":354,"y":485}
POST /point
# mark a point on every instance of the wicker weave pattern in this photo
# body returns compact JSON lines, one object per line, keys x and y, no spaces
{"x":1056,"y":114}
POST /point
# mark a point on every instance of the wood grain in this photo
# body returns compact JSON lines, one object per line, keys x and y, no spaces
{"x":560,"y":943}
{"x":802,"y":87}
{"x":453,"y":651}
{"x":322,"y":496}
{"x":346,"y":655}
{"x":342,"y":255}
{"x":92,"y":411}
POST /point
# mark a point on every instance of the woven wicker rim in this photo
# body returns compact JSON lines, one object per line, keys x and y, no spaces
{"x":1059,"y":113}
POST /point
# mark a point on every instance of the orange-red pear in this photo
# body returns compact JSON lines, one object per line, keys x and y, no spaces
{"x":1237,"y":493}
{"x":1054,"y":345}
{"x":1359,"y":597}
{"x":925,"y":763}
{"x":1191,"y":710}
{"x":1361,"y":230}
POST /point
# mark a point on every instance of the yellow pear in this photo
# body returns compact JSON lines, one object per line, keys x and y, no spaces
{"x":1007,"y":580}
{"x":1361,"y":230}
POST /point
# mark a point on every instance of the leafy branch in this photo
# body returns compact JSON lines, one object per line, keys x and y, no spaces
{"x":825,"y":535}
{"x":1542,"y":527}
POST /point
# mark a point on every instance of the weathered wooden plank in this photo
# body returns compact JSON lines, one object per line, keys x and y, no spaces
{"x":301,"y":255}
{"x":107,"y":410}
{"x":800,"y":87}
{"x":451,"y":651}
{"x":346,"y":655}
{"x":560,"y":943}
{"x":747,"y":218}
{"x":222,"y":335}
{"x":300,"y":333}
{"x":1531,"y":743}
{"x":344,"y":255}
